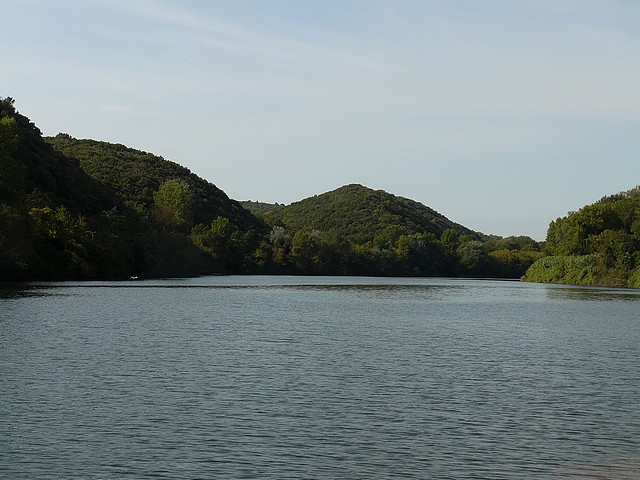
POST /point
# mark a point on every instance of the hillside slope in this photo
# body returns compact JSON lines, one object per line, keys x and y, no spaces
{"x":597,"y":245}
{"x":135,"y":176}
{"x":359,"y":213}
{"x":113,"y":213}
{"x":78,"y":209}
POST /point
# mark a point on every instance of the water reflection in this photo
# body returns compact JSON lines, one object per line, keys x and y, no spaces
{"x":317,"y":378}
{"x":597,"y":294}
{"x":393,"y":291}
{"x":618,"y":470}
{"x":10,"y":291}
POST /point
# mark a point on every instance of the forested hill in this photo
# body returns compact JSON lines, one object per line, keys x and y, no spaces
{"x":360,"y":214}
{"x":597,"y":245}
{"x":135,"y":176}
{"x":30,"y":167}
{"x":115,"y":213}
{"x":258,"y":208}
{"x":355,"y":230}
{"x":80,"y":209}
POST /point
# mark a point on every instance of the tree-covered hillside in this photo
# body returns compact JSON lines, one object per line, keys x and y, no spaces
{"x":78,"y":209}
{"x":136,"y":176}
{"x":597,"y":245}
{"x":359,"y":213}
{"x":357,"y":230}
{"x":109,"y":215}
{"x":258,"y":208}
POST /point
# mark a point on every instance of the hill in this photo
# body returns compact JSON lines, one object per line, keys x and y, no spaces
{"x":79,"y":209}
{"x":259,"y":208}
{"x":135,"y":176}
{"x":29,"y":164}
{"x":359,"y":213}
{"x":597,"y":245}
{"x":74,"y":209}
{"x":355,"y":230}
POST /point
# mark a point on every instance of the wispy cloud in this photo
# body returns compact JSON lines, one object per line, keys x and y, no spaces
{"x":225,"y":35}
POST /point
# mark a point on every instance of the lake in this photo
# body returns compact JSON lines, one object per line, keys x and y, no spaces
{"x":318,"y":378}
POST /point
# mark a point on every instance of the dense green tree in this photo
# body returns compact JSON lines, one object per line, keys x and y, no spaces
{"x":451,"y":240}
{"x":389,"y":236}
{"x":135,"y":176}
{"x":18,"y":256}
{"x":61,"y":217}
{"x":64,"y":240}
{"x":74,"y":208}
{"x":173,"y":204}
{"x":222,"y":241}
{"x":280,"y":242}
{"x":605,"y":233}
{"x":359,"y":214}
{"x":505,"y":263}
{"x":306,"y":252}
{"x":420,"y":255}
{"x":12,"y":171}
{"x":473,"y":258}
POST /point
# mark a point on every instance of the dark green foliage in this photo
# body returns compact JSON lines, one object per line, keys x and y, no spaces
{"x":136,"y":176}
{"x":116,"y":214}
{"x":607,"y":233}
{"x":358,"y":231}
{"x":258,"y":208}
{"x":507,"y":263}
{"x":421,"y":254}
{"x":86,"y":209}
{"x":512,"y":243}
{"x":173,"y":204}
{"x":359,"y":214}
{"x":224,"y":243}
{"x":57,"y":176}
{"x":18,"y":257}
{"x":472,"y":258}
{"x":13,"y":173}
{"x":565,"y":269}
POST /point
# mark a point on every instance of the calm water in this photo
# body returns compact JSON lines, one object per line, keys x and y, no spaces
{"x":319,"y":378}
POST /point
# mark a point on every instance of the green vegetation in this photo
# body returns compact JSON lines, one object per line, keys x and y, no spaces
{"x":564,"y":269}
{"x":84,"y":209}
{"x":597,"y":245}
{"x":258,"y":208}
{"x":136,"y":177}
{"x":360,"y":214}
{"x":355,"y":230}
{"x":80,"y":209}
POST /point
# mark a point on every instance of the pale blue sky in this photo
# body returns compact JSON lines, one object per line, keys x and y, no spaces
{"x":500,"y":114}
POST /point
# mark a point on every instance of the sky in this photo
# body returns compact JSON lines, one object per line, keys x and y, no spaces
{"x":500,"y":114}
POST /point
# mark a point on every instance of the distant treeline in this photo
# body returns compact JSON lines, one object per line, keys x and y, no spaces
{"x":355,"y":230}
{"x":82,"y":209}
{"x":597,"y":245}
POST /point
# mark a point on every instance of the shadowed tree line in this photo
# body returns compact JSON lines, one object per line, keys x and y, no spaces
{"x":355,"y":230}
{"x":597,"y":245}
{"x":79,"y":209}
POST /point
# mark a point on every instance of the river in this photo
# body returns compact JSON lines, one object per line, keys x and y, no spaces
{"x":318,"y":378}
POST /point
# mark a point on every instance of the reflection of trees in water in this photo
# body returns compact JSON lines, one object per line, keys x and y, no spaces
{"x":624,"y":469}
{"x":592,"y":294}
{"x":396,"y":292}
{"x":10,"y":291}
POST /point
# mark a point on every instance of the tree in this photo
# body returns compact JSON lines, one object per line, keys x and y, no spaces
{"x":472,"y":257}
{"x":64,"y":240}
{"x":18,"y":259}
{"x":173,"y":204}
{"x":306,"y":251}
{"x":420,"y":254}
{"x":12,"y":171}
{"x":221,"y":240}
